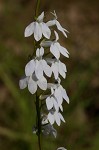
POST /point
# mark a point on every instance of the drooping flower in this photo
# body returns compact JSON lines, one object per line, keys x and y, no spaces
{"x":55,"y":48}
{"x":32,"y":82}
{"x":58,"y":25}
{"x":38,"y":28}
{"x":52,"y":102}
{"x":60,"y":94}
{"x":57,"y":67}
{"x":59,"y":91}
{"x":55,"y":116}
{"x":38,"y":65}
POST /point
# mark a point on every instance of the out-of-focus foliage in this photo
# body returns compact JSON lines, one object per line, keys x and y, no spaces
{"x":17,"y":111}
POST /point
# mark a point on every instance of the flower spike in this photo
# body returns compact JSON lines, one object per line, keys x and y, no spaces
{"x":42,"y":75}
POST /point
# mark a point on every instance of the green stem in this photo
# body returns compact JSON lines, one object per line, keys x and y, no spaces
{"x":37,"y":8}
{"x":38,"y":111}
{"x":38,"y":120}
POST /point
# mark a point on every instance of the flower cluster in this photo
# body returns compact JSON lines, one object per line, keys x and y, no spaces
{"x":41,"y":69}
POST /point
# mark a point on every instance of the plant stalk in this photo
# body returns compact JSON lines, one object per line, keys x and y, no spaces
{"x":38,"y":111}
{"x":38,"y":121}
{"x":37,"y":8}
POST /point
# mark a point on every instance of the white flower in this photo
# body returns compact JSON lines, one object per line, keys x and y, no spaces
{"x":55,"y":22}
{"x":53,"y":102}
{"x":57,"y":67}
{"x":39,"y":28}
{"x":32,"y":82}
{"x":55,"y":47}
{"x":59,"y":92}
{"x":38,"y":65}
{"x":55,"y":116}
{"x":23,"y":82}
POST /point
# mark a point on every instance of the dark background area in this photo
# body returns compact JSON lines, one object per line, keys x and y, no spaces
{"x":17,"y":111}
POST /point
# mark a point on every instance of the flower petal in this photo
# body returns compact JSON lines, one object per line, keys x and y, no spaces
{"x":64,"y":94}
{"x":55,"y":104}
{"x":52,"y":91}
{"x":45,"y":30}
{"x":29,"y":30}
{"x":23,"y":82}
{"x":64,"y":51}
{"x":42,"y":83}
{"x":54,"y":68}
{"x":60,"y":28}
{"x":61,"y":117}
{"x":61,"y":70}
{"x":40,"y":17}
{"x":46,"y":68}
{"x":63,"y":66}
{"x":58,"y":96}
{"x":54,"y":50}
{"x":38,"y":52}
{"x":51,"y":23}
{"x":39,"y":69}
{"x":49,"y":103}
{"x":32,"y":86}
{"x":51,"y":118}
{"x":37,"y":31}
{"x":56,"y":35}
{"x":41,"y":51}
{"x":61,"y":107}
{"x":57,"y":118}
{"x":29,"y":68}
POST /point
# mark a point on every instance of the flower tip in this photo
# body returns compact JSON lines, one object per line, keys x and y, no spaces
{"x":67,"y":100}
{"x":25,"y":35}
{"x":43,"y":12}
{"x":67,"y":56}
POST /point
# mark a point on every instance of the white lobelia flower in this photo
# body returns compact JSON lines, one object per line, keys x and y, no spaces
{"x":38,"y":28}
{"x":53,"y":102}
{"x":55,"y":116}
{"x":58,"y":25}
{"x":55,"y":47}
{"x":38,"y":65}
{"x":57,"y":67}
{"x":32,"y":82}
{"x":59,"y":92}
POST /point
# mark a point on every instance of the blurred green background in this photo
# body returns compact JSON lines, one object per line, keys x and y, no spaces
{"x":17,"y":111}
